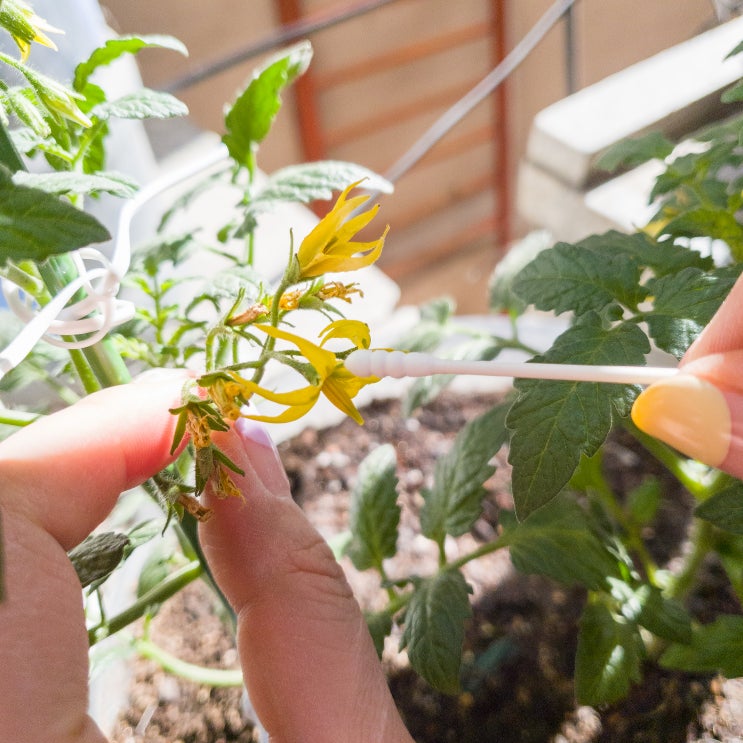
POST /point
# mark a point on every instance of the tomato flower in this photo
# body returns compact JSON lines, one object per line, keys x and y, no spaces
{"x":334,"y":381}
{"x":20,"y":21}
{"x":329,"y":246}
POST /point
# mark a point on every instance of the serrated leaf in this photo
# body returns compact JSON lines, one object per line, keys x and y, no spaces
{"x":724,"y":509}
{"x":714,"y":648}
{"x":500,"y":292}
{"x":250,"y":117}
{"x":374,"y":511}
{"x":305,"y":183}
{"x":684,"y":303}
{"x":558,"y":541}
{"x":717,"y":224}
{"x":630,"y":153}
{"x":589,"y":275}
{"x":115,"y":48}
{"x":142,"y":104}
{"x":553,"y":423}
{"x":35,"y":224}
{"x":66,"y":182}
{"x":318,"y":180}
{"x":608,"y":658}
{"x":454,"y":502}
{"x":434,"y":629}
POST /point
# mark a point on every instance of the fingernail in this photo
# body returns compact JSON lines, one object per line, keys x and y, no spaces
{"x":691,"y":415}
{"x":263,"y":454}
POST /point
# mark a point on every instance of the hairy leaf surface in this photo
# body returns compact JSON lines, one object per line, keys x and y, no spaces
{"x":684,"y":303}
{"x":374,"y":511}
{"x":558,"y":541}
{"x":454,"y":502}
{"x":434,"y":629}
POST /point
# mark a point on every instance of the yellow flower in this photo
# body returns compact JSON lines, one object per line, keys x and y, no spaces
{"x":354,"y":330}
{"x":20,"y":21}
{"x":334,"y":381}
{"x":329,"y":246}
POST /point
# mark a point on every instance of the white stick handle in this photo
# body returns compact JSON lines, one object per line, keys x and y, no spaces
{"x":399,"y":364}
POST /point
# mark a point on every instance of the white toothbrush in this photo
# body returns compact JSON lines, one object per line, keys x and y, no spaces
{"x":397,"y":364}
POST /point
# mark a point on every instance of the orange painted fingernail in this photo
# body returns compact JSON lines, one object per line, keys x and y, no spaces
{"x":691,"y":415}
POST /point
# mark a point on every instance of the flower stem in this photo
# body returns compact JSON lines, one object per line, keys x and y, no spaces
{"x":157,"y":595}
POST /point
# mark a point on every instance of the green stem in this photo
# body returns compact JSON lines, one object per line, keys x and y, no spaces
{"x":28,"y":283}
{"x":16,"y":417}
{"x":169,"y":587}
{"x":216,"y":677}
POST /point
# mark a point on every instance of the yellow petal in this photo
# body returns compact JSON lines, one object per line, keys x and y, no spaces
{"x":323,"y":361}
{"x":354,"y":330}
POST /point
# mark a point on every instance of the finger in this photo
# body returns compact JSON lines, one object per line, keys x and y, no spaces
{"x":699,"y":412}
{"x":65,"y":471}
{"x":309,"y":662}
{"x":59,"y":477}
{"x":725,"y":331}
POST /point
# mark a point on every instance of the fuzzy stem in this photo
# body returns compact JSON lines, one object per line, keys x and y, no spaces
{"x":157,"y":595}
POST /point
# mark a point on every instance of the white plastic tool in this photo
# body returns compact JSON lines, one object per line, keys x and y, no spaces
{"x":398,"y":364}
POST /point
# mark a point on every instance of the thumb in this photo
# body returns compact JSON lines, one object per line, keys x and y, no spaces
{"x":309,"y":662}
{"x":699,"y":411}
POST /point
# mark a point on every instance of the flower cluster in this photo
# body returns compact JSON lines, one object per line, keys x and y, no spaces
{"x":225,"y":393}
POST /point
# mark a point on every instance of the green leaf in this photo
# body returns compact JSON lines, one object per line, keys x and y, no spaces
{"x":608,"y":659}
{"x":454,"y":503}
{"x":308,"y":182}
{"x":250,"y":117}
{"x":733,"y":93}
{"x":724,"y":509}
{"x":142,"y":104}
{"x":66,"y":182}
{"x":737,"y":49}
{"x":501,"y":295}
{"x":374,"y":511}
{"x":35,"y":224}
{"x":589,"y":275}
{"x":115,"y":48}
{"x":434,"y":629}
{"x":553,"y":423}
{"x":630,"y":153}
{"x":684,"y":303}
{"x":380,"y":626}
{"x":714,"y":648}
{"x":559,"y":541}
{"x":643,"y":501}
{"x":645,"y":605}
{"x":718,"y":224}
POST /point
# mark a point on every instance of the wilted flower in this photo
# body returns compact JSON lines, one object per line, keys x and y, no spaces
{"x":337,"y":290}
{"x":329,"y":246}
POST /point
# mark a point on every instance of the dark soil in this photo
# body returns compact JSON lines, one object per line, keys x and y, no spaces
{"x":520,"y":645}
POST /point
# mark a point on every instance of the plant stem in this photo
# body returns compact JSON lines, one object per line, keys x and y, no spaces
{"x":157,"y":595}
{"x":9,"y":156}
{"x":17,"y":417}
{"x":189,"y":671}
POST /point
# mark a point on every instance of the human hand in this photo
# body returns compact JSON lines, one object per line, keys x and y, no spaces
{"x":308,"y":660}
{"x":700,"y":411}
